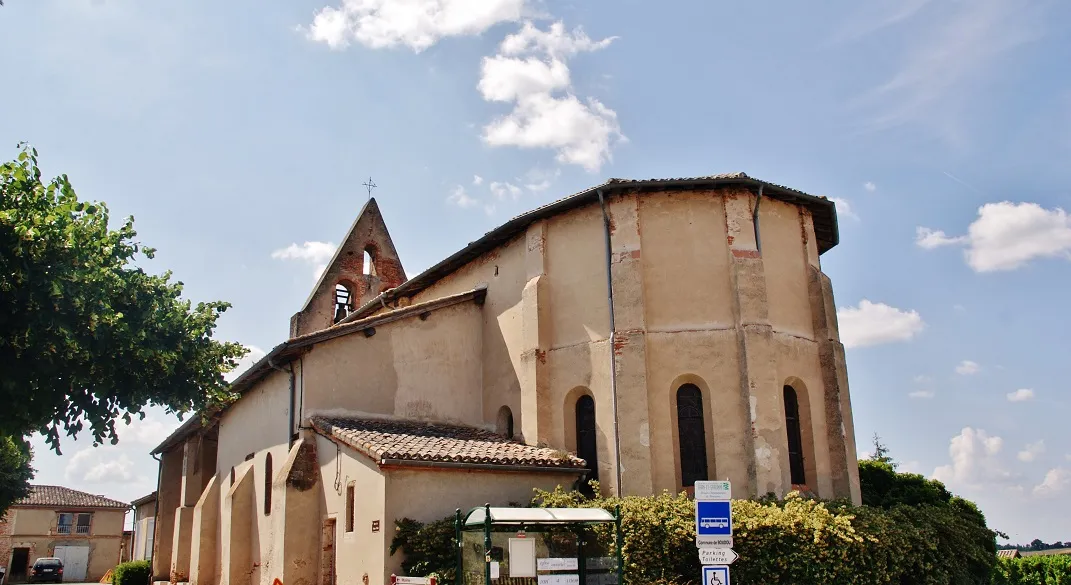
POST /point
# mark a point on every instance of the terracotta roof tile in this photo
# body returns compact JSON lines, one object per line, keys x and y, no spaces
{"x":436,"y":442}
{"x":59,"y":497}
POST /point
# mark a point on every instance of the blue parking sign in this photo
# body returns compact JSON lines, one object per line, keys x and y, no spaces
{"x":713,"y":519}
{"x":717,"y":575}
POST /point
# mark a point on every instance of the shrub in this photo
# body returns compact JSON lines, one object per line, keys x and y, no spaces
{"x":1034,"y":570}
{"x":795,"y":540}
{"x":132,"y":573}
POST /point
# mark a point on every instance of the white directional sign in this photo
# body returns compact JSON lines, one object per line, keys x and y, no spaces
{"x":713,"y":491}
{"x":717,"y":556}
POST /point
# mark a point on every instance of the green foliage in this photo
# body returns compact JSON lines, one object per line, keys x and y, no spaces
{"x":15,"y":471}
{"x":882,"y":486}
{"x":132,"y":573}
{"x":428,"y":548}
{"x":794,"y":540}
{"x":86,"y":335}
{"x":1034,"y":570}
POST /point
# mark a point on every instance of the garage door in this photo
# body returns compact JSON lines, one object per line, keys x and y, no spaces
{"x":75,"y":562}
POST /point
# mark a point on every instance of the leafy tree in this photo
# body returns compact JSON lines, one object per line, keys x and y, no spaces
{"x":15,"y":471}
{"x":86,"y":335}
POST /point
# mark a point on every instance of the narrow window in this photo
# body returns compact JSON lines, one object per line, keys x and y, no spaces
{"x":369,"y":263}
{"x":505,"y":422}
{"x":66,"y":521}
{"x":795,"y":439}
{"x":586,"y":443}
{"x":349,"y":508}
{"x":691,"y":435}
{"x":343,"y":302}
{"x":267,"y":484}
{"x":232,"y":475}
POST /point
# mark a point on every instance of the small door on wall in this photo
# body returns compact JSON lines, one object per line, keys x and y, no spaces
{"x":75,"y":561}
{"x":327,"y":558}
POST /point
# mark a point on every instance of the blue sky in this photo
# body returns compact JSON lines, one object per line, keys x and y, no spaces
{"x":238,"y":135}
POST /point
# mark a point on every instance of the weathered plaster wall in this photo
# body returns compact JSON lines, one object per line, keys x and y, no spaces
{"x":361,"y":551}
{"x":695,"y":301}
{"x":428,"y":369}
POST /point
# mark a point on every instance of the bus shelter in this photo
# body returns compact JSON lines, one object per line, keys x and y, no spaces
{"x":538,"y":546}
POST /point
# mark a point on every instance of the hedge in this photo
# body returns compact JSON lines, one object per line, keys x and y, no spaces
{"x":1034,"y":570}
{"x":795,"y":541}
{"x":132,"y":573}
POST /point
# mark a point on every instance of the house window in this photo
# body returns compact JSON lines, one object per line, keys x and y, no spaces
{"x":71,"y":523}
{"x":691,"y":435}
{"x":795,"y":438}
{"x":343,"y":302}
{"x":586,"y":442}
{"x":267,"y":484}
{"x":349,"y":508}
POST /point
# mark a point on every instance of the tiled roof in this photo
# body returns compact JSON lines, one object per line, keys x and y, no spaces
{"x":1009,"y":553}
{"x":54,"y":496}
{"x":433,"y":442}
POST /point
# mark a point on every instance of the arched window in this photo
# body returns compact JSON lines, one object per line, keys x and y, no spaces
{"x":343,"y":302}
{"x":267,"y":484}
{"x":369,"y":265}
{"x":504,"y":425}
{"x":795,"y":438}
{"x":691,"y":435}
{"x":586,"y":443}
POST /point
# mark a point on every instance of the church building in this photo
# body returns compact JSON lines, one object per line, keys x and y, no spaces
{"x":644,"y":333}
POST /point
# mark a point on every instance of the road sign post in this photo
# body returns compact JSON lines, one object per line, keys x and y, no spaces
{"x":714,"y":530}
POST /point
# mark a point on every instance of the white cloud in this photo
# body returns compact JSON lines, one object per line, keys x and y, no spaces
{"x":254,"y":355}
{"x":967,"y":367}
{"x":477,"y":180}
{"x":506,"y":79}
{"x":530,"y":71}
{"x":417,"y":24}
{"x":870,"y":186}
{"x":957,"y":51}
{"x":929,"y":239}
{"x":149,"y":432}
{"x":315,"y":253}
{"x":1031,"y":451}
{"x":461,"y":199}
{"x":582,"y":133}
{"x":536,"y":180}
{"x":1056,"y":481}
{"x":502,"y":190}
{"x":923,"y":379}
{"x":1008,"y":235}
{"x":1021,"y":395}
{"x":876,"y":323}
{"x":93,"y":465}
{"x":921,"y":394}
{"x":975,"y":461}
{"x":959,"y":308}
{"x":844,"y":208}
{"x":555,"y":42}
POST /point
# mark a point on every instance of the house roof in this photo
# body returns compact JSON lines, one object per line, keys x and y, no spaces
{"x":822,"y":210}
{"x":54,"y":496}
{"x":1008,"y":553}
{"x":393,"y":442}
{"x":144,"y":499}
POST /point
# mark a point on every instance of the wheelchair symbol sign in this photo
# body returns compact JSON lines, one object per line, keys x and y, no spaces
{"x":715,"y":576}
